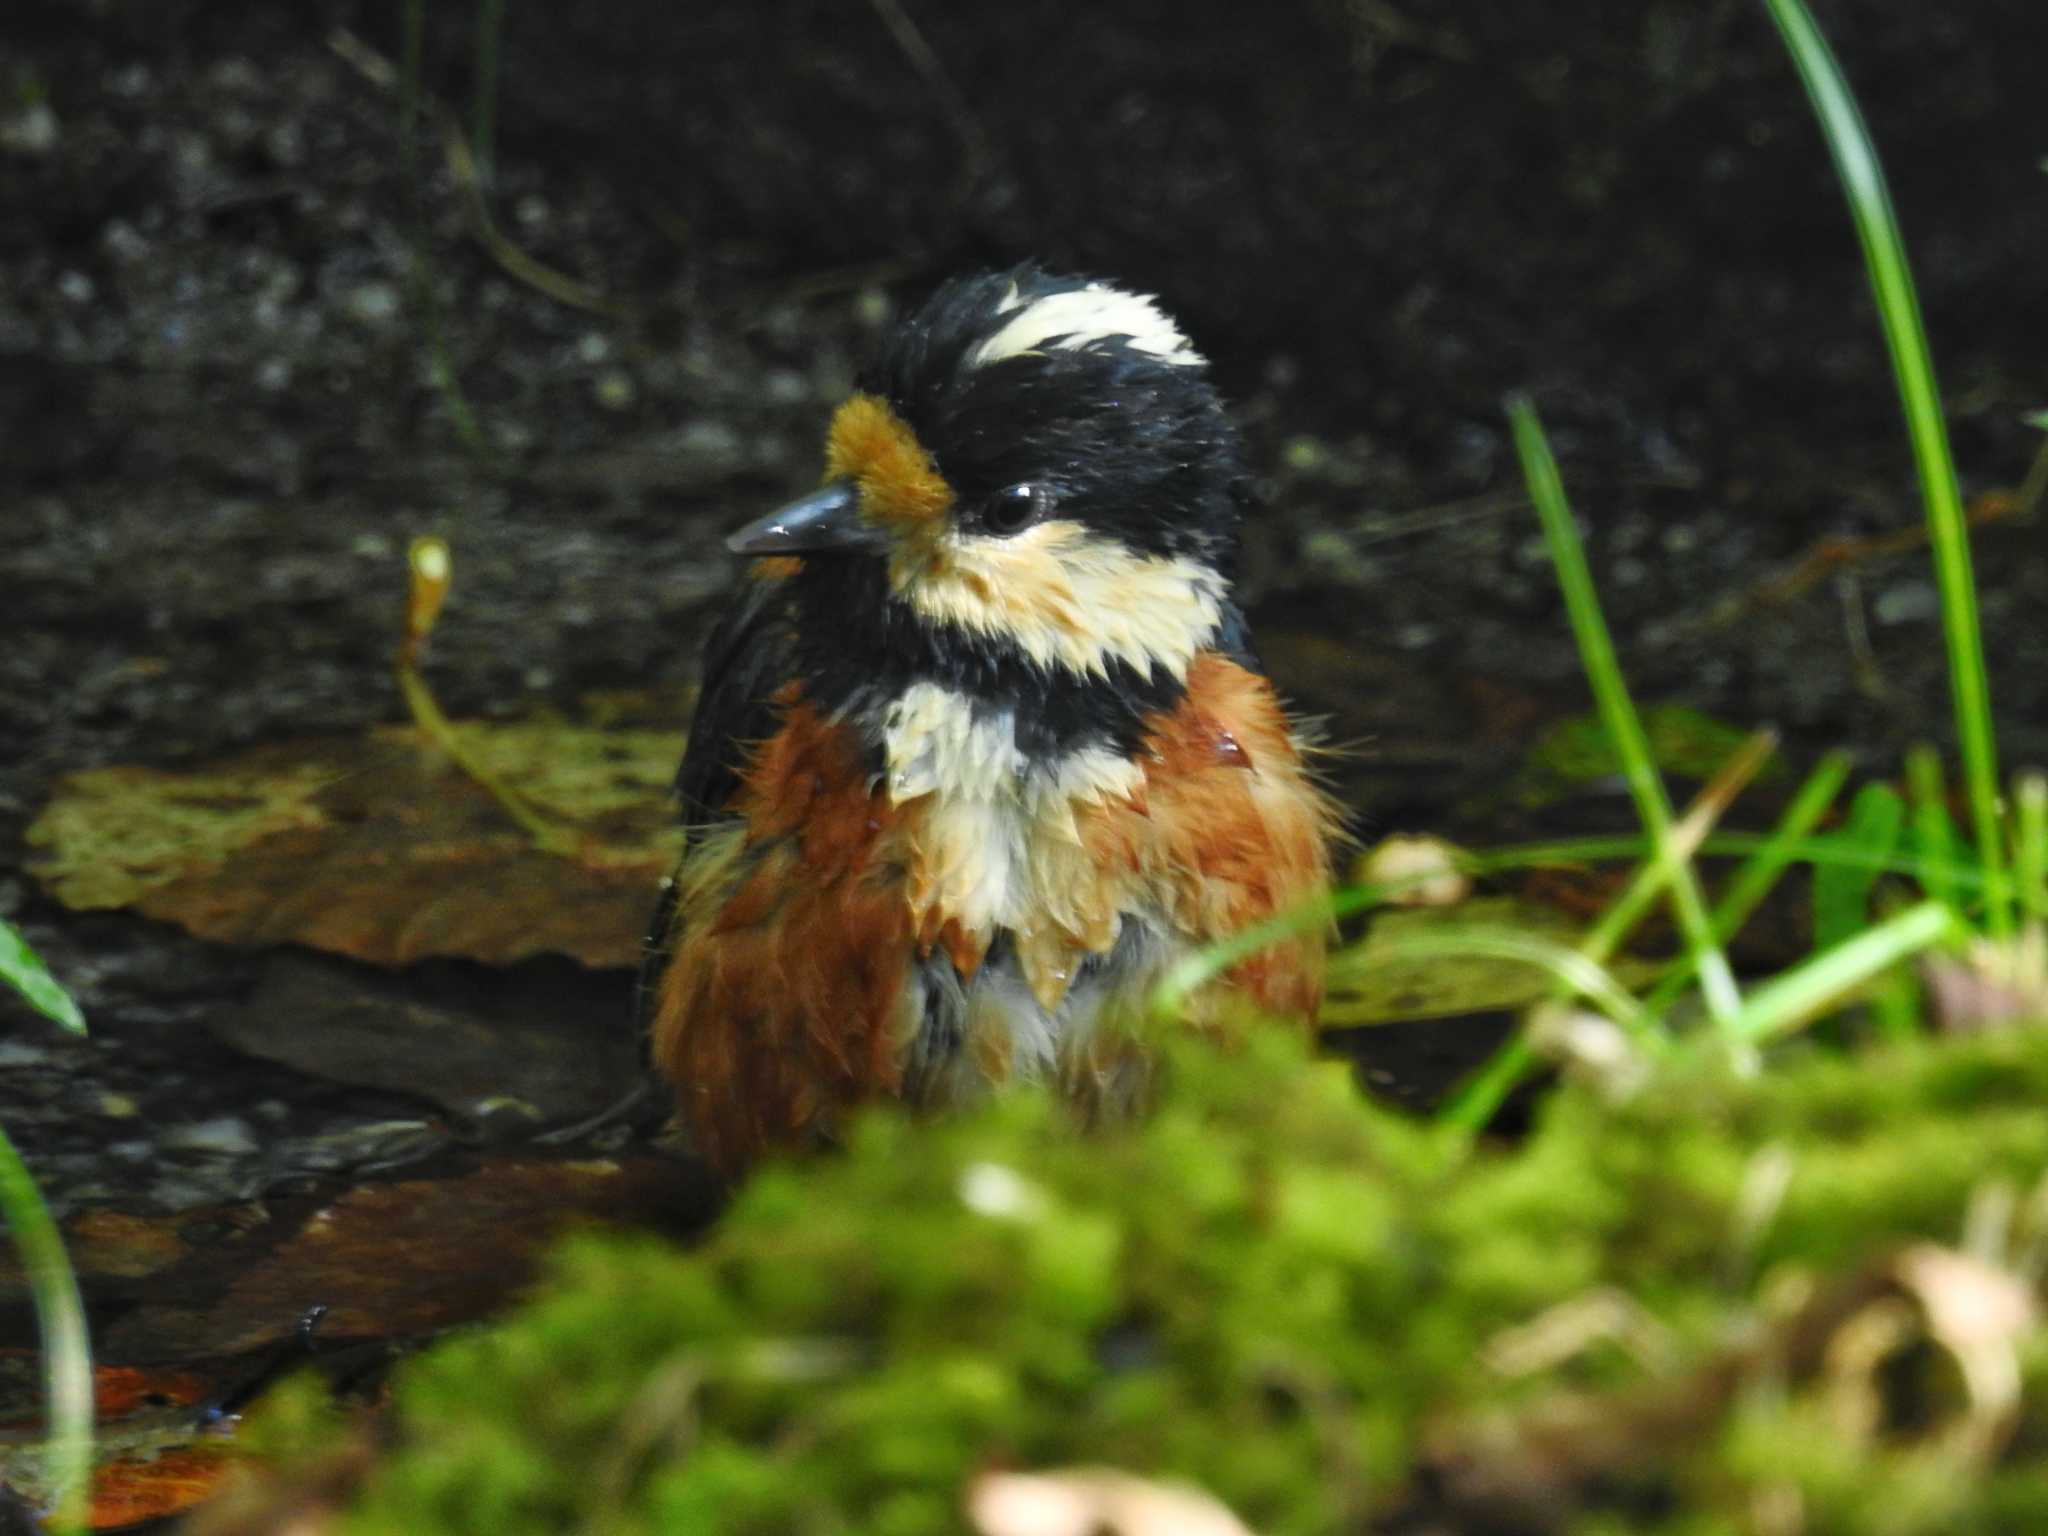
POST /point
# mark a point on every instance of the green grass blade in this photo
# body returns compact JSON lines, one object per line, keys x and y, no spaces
{"x":1617,"y":712}
{"x":1478,"y":1099}
{"x":1788,"y":1000}
{"x":1575,"y":973}
{"x":1753,"y":881}
{"x":60,"y":1318}
{"x":2030,"y":843}
{"x":1841,"y":892}
{"x":1936,"y":847}
{"x":1471,"y":1108}
{"x":1169,"y":998}
{"x":23,"y":969}
{"x":1891,"y":283}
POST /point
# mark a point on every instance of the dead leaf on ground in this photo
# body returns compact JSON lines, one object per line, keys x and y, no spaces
{"x":396,"y":1260}
{"x":1869,"y":1345}
{"x":149,"y":1460}
{"x":376,"y":847}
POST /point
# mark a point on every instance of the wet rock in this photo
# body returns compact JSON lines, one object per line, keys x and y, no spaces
{"x":506,"y":1055}
{"x":32,"y":130}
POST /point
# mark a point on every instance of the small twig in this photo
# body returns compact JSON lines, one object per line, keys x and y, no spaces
{"x":1863,"y":662}
{"x":2028,"y":498}
{"x":431,"y":573}
{"x":463,"y":170}
{"x":1834,"y":554}
{"x":973,"y":141}
{"x":1395,"y":27}
{"x":490,"y":22}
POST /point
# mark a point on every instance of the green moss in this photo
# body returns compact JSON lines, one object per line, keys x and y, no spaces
{"x":1269,"y":1289}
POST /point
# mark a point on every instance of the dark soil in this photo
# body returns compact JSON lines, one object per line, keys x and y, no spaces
{"x":228,"y":284}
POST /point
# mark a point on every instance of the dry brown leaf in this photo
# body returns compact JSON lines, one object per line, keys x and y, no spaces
{"x":1974,"y":1312}
{"x":394,"y":1260}
{"x":376,"y":847}
{"x":1837,"y":1340}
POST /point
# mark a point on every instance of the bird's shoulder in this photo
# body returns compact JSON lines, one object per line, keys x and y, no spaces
{"x":748,"y":659}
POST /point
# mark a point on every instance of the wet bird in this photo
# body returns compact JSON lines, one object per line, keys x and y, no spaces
{"x":982,"y":748}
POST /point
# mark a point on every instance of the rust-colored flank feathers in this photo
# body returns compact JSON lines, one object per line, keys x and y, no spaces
{"x":778,"y":1008}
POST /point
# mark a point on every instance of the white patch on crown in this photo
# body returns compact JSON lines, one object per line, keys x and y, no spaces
{"x":1072,"y":320}
{"x":1065,"y":598}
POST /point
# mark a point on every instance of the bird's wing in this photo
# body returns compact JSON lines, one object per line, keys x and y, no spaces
{"x":749,"y":656}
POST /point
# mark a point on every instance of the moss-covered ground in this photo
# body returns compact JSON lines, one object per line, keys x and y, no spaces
{"x":1653,"y":1316}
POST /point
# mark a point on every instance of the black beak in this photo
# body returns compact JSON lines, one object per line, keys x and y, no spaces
{"x":827,"y":519}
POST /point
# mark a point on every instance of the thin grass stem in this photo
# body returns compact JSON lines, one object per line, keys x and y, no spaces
{"x":1575,"y":972}
{"x":2030,"y":843}
{"x":1480,"y":1097}
{"x":1896,"y":1005}
{"x":1472,"y":1106}
{"x":1933,"y":833}
{"x":483,"y":102}
{"x":2028,"y":498}
{"x":1169,"y":998}
{"x":1617,"y":711}
{"x":1790,"y":999}
{"x":426,"y":302}
{"x":1891,"y":282}
{"x":411,"y":62}
{"x":60,"y":1320}
{"x":1761,"y":871}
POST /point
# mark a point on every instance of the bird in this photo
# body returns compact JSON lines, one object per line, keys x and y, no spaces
{"x":982,"y":748}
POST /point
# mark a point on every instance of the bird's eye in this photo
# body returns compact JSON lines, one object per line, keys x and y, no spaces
{"x":1016,"y":508}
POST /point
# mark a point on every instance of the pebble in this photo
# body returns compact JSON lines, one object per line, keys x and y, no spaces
{"x":1907,"y":602}
{"x":124,"y":242}
{"x":31,"y":131}
{"x":785,"y":386}
{"x":372,"y":303}
{"x":224,"y":1134}
{"x":20,"y":1053}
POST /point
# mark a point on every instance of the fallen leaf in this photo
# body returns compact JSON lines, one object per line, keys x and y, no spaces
{"x":395,"y":1260}
{"x":150,"y":1460}
{"x":158,"y":1484}
{"x":377,"y":847}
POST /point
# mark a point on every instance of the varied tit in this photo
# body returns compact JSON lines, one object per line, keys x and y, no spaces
{"x":982,"y":748}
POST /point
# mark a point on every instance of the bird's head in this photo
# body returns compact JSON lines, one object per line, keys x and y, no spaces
{"x":1035,"y":467}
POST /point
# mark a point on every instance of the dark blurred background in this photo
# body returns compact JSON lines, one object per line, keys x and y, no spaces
{"x":255,"y":333}
{"x":227,"y":285}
